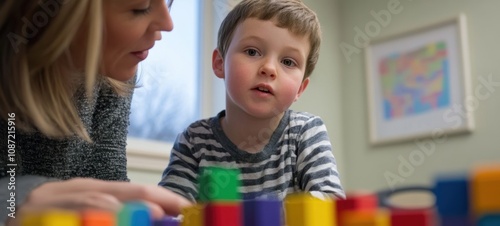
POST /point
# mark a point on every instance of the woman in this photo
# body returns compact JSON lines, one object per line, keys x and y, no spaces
{"x":66,"y":81}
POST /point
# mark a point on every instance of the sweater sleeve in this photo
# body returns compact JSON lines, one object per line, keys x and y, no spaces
{"x":180,"y":176}
{"x":109,"y":125}
{"x":316,"y":165}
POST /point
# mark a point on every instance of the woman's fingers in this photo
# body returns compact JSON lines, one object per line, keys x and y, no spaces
{"x":76,"y":201}
{"x":170,"y":202}
{"x":157,"y":211}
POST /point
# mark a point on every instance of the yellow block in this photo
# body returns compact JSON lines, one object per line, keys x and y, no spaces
{"x":193,"y":215}
{"x":365,"y":218}
{"x":303,"y":209}
{"x":51,"y":218}
{"x":485,"y":187}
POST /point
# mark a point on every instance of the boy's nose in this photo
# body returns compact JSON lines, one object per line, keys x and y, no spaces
{"x":268,"y":69}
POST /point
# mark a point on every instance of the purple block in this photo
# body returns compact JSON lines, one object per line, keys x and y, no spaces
{"x":167,"y":221}
{"x":456,"y":221}
{"x":263,"y":212}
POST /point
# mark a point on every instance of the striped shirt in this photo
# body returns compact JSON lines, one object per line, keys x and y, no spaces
{"x":297,"y":158}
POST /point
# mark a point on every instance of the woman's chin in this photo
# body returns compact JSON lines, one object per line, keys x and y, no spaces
{"x":122,"y":75}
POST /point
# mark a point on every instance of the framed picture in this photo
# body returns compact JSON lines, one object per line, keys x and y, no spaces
{"x":418,"y":83}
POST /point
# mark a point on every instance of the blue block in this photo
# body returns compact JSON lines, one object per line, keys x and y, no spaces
{"x":167,"y":221}
{"x":134,"y":214}
{"x":456,"y":221}
{"x":452,"y":196}
{"x":263,"y":212}
{"x":489,"y":220}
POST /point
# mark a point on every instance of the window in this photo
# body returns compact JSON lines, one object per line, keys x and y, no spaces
{"x":168,"y":94}
{"x":177,"y":85}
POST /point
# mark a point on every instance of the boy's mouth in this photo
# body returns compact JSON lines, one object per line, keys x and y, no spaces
{"x":264,"y":88}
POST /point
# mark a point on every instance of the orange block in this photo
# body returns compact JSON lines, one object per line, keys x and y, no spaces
{"x":95,"y":217}
{"x":363,"y":218}
{"x":485,"y":185}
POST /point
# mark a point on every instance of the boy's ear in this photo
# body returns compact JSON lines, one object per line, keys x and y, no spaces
{"x":302,"y":88}
{"x":218,"y":64}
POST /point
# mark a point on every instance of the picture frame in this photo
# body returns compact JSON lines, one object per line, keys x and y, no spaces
{"x":418,"y":83}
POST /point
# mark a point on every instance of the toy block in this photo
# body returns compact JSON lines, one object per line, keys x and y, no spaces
{"x":51,"y":218}
{"x":303,"y":209}
{"x":452,"y":195}
{"x":263,"y":212}
{"x":356,"y":201}
{"x":366,"y":218}
{"x":219,"y":184}
{"x":167,"y":221}
{"x":223,"y":214}
{"x":134,"y":214}
{"x":95,"y":217}
{"x":489,"y":220}
{"x":419,"y":217}
{"x":485,"y":184}
{"x":193,"y":215}
{"x":456,"y":221}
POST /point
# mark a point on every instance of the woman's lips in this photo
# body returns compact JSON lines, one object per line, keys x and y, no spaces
{"x":141,"y":54}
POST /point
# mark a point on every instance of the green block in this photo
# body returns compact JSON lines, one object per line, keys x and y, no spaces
{"x":219,"y":184}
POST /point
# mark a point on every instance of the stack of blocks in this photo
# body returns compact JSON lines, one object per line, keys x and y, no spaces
{"x":220,"y":203}
{"x":132,"y":214}
{"x":466,"y":200}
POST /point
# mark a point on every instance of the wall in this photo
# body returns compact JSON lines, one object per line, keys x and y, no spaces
{"x":323,"y":95}
{"x":366,"y":166}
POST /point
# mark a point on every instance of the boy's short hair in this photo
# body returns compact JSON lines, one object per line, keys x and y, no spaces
{"x":290,"y":14}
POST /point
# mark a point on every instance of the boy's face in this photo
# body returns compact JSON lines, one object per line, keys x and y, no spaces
{"x":263,"y":69}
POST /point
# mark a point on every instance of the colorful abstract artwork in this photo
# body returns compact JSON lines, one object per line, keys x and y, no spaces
{"x":415,"y":82}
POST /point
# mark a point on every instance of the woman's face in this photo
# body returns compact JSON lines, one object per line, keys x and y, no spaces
{"x":131,"y":28}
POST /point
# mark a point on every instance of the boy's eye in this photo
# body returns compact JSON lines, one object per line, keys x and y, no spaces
{"x":251,"y":52}
{"x":289,"y":62}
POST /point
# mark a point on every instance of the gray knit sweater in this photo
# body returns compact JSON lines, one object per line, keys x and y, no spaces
{"x":40,"y":159}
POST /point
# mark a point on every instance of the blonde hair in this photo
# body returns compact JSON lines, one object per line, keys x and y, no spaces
{"x":37,"y":73}
{"x":290,"y":14}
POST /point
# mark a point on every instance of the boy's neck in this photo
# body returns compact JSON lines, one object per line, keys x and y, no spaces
{"x":248,"y":133}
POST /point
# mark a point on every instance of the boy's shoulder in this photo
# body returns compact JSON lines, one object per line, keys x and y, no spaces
{"x":201,"y":123}
{"x":204,"y":125}
{"x":303,"y":117}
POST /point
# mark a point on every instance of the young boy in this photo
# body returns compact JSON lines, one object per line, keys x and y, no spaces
{"x":266,"y":52}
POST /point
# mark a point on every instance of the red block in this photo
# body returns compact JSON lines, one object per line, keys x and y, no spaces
{"x":223,"y":214}
{"x":356,"y":202}
{"x":424,"y":217}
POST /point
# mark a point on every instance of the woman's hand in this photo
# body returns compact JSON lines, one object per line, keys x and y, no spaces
{"x":78,"y":194}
